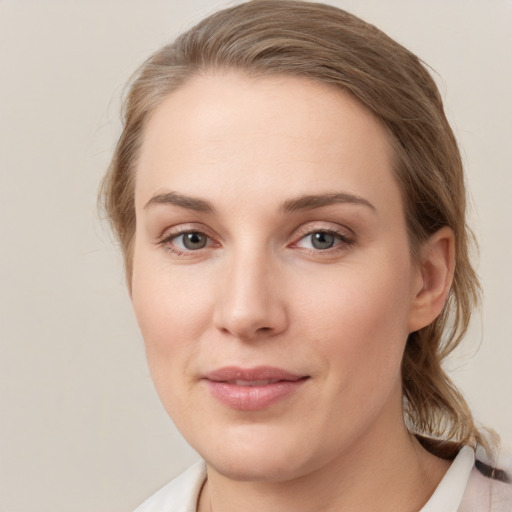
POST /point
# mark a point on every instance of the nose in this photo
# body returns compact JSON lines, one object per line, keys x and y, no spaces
{"x":251,"y":301}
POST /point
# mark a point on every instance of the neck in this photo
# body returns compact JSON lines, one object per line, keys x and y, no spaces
{"x":386,"y":470}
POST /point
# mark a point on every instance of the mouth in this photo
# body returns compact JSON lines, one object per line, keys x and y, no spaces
{"x":252,"y":389}
{"x":265,"y":382}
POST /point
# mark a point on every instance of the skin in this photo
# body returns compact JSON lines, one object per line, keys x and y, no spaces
{"x":261,"y":293}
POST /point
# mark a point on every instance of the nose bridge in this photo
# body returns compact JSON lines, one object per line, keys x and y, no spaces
{"x":251,"y":304}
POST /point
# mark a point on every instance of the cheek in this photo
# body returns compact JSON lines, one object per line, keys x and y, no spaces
{"x":173,"y":310}
{"x":359,"y":320}
{"x":170,"y":325}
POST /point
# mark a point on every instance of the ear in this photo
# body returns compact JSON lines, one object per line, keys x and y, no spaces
{"x":435,"y":276}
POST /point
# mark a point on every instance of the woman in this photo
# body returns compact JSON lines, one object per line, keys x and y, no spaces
{"x":290,"y":201}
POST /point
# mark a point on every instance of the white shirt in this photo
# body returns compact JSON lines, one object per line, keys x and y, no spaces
{"x":448,"y":495}
{"x":462,"y":489}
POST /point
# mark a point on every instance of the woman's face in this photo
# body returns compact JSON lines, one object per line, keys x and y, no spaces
{"x":272,"y":277}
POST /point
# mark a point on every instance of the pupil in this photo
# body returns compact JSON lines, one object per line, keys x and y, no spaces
{"x":194,"y":240}
{"x":322,"y":240}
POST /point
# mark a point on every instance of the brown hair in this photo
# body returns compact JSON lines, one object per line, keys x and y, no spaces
{"x":329,"y":45}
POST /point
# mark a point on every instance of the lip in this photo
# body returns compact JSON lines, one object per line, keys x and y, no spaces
{"x":252,"y":389}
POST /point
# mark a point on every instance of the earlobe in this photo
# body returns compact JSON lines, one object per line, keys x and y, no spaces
{"x":435,"y":278}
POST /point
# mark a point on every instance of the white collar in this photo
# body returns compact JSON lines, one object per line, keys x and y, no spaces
{"x":448,"y":495}
{"x":180,"y":495}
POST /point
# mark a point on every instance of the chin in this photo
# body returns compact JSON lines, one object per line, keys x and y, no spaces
{"x":261,"y":454}
{"x":257,"y":468}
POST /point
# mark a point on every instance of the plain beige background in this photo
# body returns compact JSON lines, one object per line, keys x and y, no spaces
{"x":81,"y":428}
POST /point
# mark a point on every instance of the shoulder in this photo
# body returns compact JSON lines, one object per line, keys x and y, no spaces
{"x":179,"y":495}
{"x":484,"y":493}
{"x":489,"y":489}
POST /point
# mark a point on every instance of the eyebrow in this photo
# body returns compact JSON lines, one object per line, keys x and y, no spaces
{"x":310,"y":202}
{"x":307,"y":202}
{"x":190,"y":203}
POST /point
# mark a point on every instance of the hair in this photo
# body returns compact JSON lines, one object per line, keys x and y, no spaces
{"x":329,"y":45}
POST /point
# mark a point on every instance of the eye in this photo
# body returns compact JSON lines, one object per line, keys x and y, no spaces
{"x":186,"y":241}
{"x":193,"y":240}
{"x":323,"y":240}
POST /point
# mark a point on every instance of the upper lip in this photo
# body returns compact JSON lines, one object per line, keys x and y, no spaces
{"x":260,"y":374}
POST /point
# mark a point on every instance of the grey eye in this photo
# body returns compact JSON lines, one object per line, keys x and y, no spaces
{"x":322,"y":240}
{"x":194,"y":240}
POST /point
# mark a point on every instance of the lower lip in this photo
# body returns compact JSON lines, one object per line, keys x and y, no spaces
{"x":253,"y":398}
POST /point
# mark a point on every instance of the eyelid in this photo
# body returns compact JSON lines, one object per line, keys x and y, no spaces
{"x":186,"y":227}
{"x":327,"y":227}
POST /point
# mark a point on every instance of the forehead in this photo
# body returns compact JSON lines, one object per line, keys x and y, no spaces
{"x":279,"y":133}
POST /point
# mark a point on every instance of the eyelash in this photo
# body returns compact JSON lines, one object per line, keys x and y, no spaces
{"x":343,"y":241}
